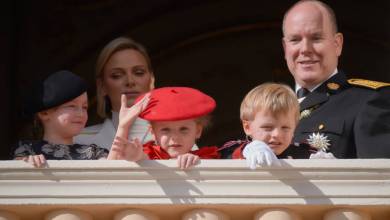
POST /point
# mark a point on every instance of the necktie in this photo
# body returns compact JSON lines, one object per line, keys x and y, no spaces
{"x":302,"y":92}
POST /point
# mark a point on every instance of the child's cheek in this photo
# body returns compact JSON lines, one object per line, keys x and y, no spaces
{"x":85,"y":117}
{"x":188,"y":148}
{"x":164,"y":141}
{"x":62,"y":119}
{"x":263,"y":136}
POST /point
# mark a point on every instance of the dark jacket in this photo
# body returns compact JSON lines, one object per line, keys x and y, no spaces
{"x":353,"y":116}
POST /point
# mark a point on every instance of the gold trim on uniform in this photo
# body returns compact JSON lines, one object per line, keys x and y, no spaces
{"x":333,"y":86}
{"x":305,"y":113}
{"x":368,"y":83}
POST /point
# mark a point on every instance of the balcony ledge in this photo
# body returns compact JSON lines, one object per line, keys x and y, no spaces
{"x":297,"y":184}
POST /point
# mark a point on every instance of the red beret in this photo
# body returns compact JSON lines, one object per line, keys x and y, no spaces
{"x":177,"y":103}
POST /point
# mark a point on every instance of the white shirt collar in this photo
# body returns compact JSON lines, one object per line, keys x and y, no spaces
{"x":115,"y":119}
{"x":297,"y":86}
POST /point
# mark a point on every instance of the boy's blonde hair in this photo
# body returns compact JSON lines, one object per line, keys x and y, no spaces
{"x":274,"y":97}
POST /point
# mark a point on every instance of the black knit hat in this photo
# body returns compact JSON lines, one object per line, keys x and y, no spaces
{"x":57,"y":89}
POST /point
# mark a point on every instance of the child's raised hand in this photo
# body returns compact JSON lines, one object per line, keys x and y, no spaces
{"x":187,"y":160}
{"x":128,"y":114}
{"x":126,"y":150}
{"x":38,"y":161}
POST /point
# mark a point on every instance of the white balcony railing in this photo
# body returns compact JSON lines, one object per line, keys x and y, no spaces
{"x":215,"y":189}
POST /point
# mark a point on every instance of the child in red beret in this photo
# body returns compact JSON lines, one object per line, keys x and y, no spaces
{"x":177,"y":116}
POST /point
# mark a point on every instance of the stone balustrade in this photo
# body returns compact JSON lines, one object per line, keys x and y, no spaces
{"x":214,"y":190}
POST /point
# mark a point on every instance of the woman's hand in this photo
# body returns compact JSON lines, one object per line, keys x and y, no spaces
{"x":38,"y":161}
{"x":187,"y":160}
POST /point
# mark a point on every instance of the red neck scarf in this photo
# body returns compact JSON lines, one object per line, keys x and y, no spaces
{"x":156,"y":152}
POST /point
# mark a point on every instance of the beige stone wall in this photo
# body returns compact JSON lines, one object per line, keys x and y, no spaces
{"x":214,"y":189}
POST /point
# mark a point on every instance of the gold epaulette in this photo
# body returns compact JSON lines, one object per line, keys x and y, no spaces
{"x":368,"y":83}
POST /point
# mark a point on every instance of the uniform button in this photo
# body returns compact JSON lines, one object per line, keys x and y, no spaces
{"x":321,"y":126}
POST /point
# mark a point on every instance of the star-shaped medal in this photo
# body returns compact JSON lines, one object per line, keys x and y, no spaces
{"x":319,"y":141}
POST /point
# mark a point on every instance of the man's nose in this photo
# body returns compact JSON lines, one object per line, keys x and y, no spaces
{"x":306,"y":46}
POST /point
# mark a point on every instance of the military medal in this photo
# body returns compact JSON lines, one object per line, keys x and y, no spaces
{"x":305,"y":113}
{"x":319,"y":141}
{"x":333,"y":86}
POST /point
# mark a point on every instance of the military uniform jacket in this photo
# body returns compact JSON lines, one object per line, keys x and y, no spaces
{"x":353,"y":116}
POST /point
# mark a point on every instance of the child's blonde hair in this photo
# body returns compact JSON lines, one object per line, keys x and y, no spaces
{"x":274,"y":97}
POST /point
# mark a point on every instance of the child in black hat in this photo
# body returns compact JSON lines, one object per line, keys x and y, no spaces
{"x":59,"y":103}
{"x":177,"y":116}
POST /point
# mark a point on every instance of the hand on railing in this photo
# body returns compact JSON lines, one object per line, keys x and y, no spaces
{"x":187,"y":160}
{"x":38,"y":161}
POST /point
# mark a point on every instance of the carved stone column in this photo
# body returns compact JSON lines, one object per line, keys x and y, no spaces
{"x":5,"y":215}
{"x":68,"y":214}
{"x":205,"y":214}
{"x":135,"y":214}
{"x":280,"y":214}
{"x":347,"y":214}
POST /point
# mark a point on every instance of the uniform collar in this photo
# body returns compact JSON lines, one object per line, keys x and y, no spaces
{"x":297,"y":86}
{"x":335,"y":84}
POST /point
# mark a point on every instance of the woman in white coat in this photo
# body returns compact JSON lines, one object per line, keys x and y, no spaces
{"x":123,"y":67}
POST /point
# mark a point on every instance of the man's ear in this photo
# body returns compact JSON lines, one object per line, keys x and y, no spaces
{"x":284,"y":47}
{"x":246,"y":125}
{"x":338,"y":40}
{"x":199,"y":130}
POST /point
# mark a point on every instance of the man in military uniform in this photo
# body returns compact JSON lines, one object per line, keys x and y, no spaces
{"x":350,"y":117}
